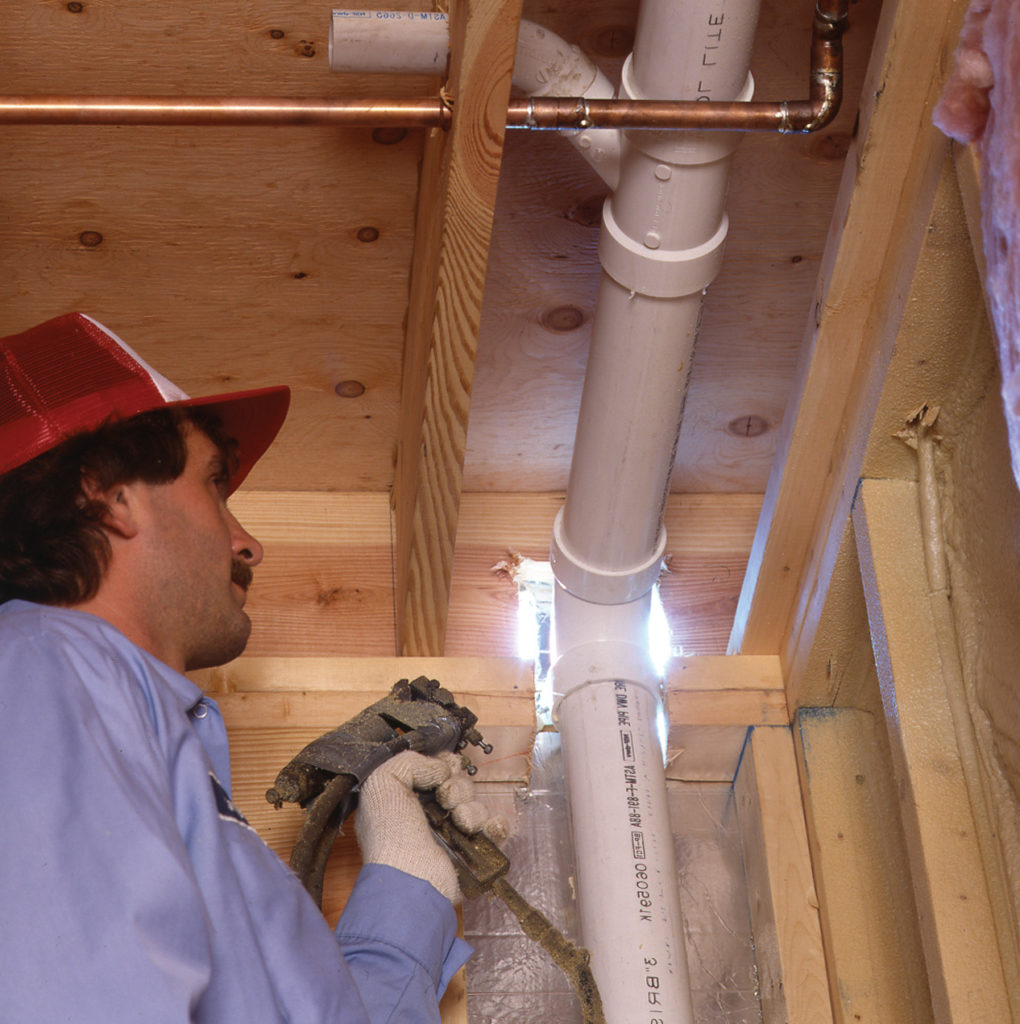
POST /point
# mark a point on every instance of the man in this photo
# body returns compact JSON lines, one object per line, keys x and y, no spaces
{"x":131,"y":888}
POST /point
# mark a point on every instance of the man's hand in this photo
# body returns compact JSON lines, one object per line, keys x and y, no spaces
{"x":391,"y":825}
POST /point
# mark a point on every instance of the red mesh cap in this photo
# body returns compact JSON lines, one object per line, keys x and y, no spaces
{"x":72,"y":374}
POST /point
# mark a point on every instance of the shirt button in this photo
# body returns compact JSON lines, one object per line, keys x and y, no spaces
{"x":200,"y":710}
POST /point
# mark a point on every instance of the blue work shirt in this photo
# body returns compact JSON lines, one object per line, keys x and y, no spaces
{"x":131,"y":889}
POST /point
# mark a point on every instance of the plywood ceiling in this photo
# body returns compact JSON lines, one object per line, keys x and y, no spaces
{"x":235,"y":257}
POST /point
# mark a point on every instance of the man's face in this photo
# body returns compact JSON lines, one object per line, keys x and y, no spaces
{"x":201,"y":560}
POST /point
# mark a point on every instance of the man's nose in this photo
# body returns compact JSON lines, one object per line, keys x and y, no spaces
{"x":244,"y":545}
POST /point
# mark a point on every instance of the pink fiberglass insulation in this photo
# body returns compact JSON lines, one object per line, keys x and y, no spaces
{"x":981,"y":104}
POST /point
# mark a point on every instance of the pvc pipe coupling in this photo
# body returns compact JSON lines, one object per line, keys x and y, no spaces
{"x":597,"y":584}
{"x":646,"y":263}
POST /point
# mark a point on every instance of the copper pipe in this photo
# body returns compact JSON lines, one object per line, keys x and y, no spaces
{"x":554,"y":113}
{"x":825,"y":96}
{"x":211,"y":110}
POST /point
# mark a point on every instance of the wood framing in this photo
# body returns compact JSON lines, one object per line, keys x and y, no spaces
{"x":781,"y":888}
{"x":455,"y":209}
{"x":273,"y":706}
{"x":958,"y":916}
{"x":866,"y":904}
{"x":877,"y":229}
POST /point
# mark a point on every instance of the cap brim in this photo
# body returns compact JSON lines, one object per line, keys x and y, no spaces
{"x":252,"y":418}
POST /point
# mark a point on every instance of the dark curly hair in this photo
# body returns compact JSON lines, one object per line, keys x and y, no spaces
{"x":53,"y":546}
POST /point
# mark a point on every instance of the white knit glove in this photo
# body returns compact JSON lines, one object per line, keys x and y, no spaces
{"x":391,"y":824}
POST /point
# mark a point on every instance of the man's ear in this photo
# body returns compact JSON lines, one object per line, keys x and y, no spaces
{"x":120,"y":503}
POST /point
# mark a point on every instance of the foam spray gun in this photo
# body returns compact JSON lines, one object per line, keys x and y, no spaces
{"x":417,"y":715}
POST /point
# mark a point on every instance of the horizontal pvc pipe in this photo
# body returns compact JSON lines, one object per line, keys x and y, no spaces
{"x":389,"y":42}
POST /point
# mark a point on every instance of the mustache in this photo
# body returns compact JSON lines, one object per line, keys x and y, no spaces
{"x":241,"y":574}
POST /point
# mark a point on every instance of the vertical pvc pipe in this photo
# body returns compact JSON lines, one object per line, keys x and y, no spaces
{"x":661,"y":246}
{"x":613,"y":724}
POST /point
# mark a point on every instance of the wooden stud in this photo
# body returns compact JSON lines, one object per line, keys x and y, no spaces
{"x":943,"y":357}
{"x":440,"y":366}
{"x":874,"y":240}
{"x":958,"y":930}
{"x":781,"y":889}
{"x":868,"y":915}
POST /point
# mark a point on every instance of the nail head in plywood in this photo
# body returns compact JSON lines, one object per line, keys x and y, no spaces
{"x":958,"y":932}
{"x":781,"y":889}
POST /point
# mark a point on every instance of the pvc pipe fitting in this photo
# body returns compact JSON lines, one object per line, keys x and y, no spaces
{"x":641,"y":266}
{"x":546,"y":65}
{"x":681,"y":147}
{"x":601,"y":585}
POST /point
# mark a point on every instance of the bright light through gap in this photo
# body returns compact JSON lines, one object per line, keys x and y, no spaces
{"x":534,"y":614}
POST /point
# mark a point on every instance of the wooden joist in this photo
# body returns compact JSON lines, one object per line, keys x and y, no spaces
{"x":325,"y":586}
{"x":457,"y":197}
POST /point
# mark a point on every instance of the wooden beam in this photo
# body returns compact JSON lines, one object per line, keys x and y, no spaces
{"x":943,"y":357}
{"x":958,"y":920}
{"x":325,"y":586}
{"x":876,"y":234}
{"x":709,"y":539}
{"x":712,"y":701}
{"x":781,"y":889}
{"x":868,"y":915}
{"x":455,"y":210}
{"x":290,"y":701}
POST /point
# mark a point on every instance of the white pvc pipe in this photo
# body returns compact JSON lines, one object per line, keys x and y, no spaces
{"x":391,"y":42}
{"x":546,"y":65}
{"x":418,"y":42}
{"x":696,"y":50}
{"x":661,"y":246}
